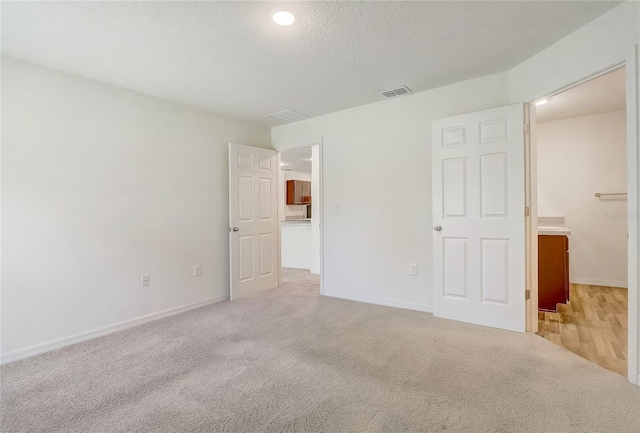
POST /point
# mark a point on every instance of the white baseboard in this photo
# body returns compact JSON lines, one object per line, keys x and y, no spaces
{"x":59,"y":343}
{"x":378,"y":301}
{"x":596,"y":282}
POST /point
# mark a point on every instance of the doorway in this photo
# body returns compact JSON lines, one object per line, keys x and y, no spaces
{"x":581,"y":219}
{"x":299,"y":210}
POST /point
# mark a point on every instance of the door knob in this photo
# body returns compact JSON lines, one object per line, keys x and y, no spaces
{"x":437,"y":227}
{"x":236,"y":229}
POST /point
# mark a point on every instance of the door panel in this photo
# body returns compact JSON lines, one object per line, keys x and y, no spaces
{"x":454,"y":177}
{"x":266,"y":257}
{"x":264,"y":192}
{"x":245,"y":257}
{"x":478,"y":201}
{"x":494,"y":186}
{"x":495,"y":270}
{"x":245,"y":199}
{"x":253,"y":239}
{"x":455,"y":267}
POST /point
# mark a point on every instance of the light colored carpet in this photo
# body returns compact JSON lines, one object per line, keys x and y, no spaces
{"x":291,"y":361}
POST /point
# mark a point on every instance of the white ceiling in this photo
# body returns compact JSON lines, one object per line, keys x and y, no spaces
{"x":600,"y":95}
{"x":230,"y":58}
{"x":296,"y":160}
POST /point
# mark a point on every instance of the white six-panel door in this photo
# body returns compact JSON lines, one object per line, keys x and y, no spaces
{"x":253,"y":220}
{"x":478,"y":217}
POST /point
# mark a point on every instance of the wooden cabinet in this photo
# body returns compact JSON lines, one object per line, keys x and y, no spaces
{"x":553,"y":271}
{"x":298,"y":192}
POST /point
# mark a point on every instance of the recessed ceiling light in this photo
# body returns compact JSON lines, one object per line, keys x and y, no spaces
{"x":542,"y":102}
{"x":284,"y":18}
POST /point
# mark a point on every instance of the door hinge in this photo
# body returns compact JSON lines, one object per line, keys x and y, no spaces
{"x":527,"y":295}
{"x":527,"y":211}
{"x":525,"y":128}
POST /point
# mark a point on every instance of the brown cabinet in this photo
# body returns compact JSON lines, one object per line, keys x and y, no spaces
{"x":298,"y":192}
{"x":553,"y":271}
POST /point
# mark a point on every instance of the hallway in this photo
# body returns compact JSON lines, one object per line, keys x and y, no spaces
{"x":593,"y":325}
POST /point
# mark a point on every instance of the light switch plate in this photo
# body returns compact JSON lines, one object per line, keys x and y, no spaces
{"x":413,"y":269}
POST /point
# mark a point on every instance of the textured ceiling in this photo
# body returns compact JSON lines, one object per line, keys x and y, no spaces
{"x":600,"y":95}
{"x":230,"y":58}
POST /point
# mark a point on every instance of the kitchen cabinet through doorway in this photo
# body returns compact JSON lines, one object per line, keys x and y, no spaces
{"x":298,"y":192}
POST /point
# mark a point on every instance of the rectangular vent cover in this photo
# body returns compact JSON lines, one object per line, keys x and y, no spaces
{"x":397,"y":91}
{"x":288,"y":115}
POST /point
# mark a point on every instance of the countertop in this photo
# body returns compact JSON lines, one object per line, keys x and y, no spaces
{"x":296,"y":221}
{"x":552,"y":226}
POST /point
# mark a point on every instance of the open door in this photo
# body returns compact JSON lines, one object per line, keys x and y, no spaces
{"x":479,"y":217}
{"x":253,"y":220}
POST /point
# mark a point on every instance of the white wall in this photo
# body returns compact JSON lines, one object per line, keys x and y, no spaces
{"x":99,"y":186}
{"x":601,"y":44}
{"x":296,"y":175}
{"x":376,"y":161}
{"x":376,"y":165}
{"x":295,"y":246}
{"x":578,"y":157}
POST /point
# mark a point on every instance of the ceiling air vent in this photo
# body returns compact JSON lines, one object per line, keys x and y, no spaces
{"x":288,"y":115}
{"x":396,"y":91}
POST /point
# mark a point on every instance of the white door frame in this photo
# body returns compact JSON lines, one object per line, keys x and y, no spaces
{"x":633,"y":189}
{"x":282,"y":198}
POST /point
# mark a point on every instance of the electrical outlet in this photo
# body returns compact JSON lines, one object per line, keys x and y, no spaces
{"x":146,"y":280}
{"x":413,"y":269}
{"x":197,"y":270}
{"x":336,"y":208}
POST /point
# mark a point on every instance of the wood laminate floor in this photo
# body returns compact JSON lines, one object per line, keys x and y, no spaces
{"x":593,"y":325}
